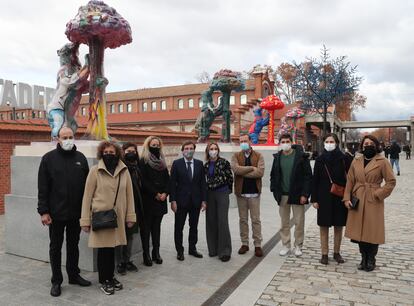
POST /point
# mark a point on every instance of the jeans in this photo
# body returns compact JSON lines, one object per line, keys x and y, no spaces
{"x":396,"y":162}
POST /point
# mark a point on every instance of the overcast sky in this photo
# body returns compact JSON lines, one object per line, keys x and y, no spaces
{"x":174,"y":40}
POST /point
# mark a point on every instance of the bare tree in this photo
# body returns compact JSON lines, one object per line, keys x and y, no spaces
{"x":203,"y":77}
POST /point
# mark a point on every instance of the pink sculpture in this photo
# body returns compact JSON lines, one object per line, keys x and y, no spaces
{"x":271,"y":103}
{"x":294,"y":114}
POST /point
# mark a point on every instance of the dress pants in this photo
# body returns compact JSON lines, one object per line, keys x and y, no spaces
{"x":298,"y":219}
{"x":217,"y":223}
{"x":252,"y":204}
{"x":180,"y":217}
{"x":56,"y":234}
{"x":106,"y":264}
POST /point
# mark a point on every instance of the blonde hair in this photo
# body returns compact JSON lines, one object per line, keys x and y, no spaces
{"x":145,"y":154}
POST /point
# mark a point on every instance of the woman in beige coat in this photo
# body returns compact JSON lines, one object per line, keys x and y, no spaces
{"x":100,"y":195}
{"x":365,"y":224}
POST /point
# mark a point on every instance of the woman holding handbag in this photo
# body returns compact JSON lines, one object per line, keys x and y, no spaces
{"x":328,"y":185}
{"x":366,"y":224}
{"x":107,"y":206}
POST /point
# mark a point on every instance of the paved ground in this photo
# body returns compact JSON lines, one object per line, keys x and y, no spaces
{"x":305,"y":281}
{"x":274,"y":281}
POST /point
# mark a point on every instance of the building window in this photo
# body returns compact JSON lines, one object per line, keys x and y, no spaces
{"x":120,"y":108}
{"x":243,"y":99}
{"x":129,"y":107}
{"x":219,"y":100}
{"x":1,"y":116}
{"x":232,"y":100}
{"x":83,"y":111}
{"x":23,"y":115}
{"x":190,"y":103}
{"x":17,"y":115}
{"x":200,"y":102}
{"x":180,"y":103}
{"x":163,"y":105}
{"x":40,"y":114}
{"x":144,"y":106}
{"x":33,"y":115}
{"x":153,"y":106}
{"x":112,"y":108}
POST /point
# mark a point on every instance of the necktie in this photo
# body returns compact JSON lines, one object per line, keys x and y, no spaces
{"x":189,"y":173}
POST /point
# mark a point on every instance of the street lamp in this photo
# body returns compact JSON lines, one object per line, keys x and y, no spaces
{"x":13,"y":110}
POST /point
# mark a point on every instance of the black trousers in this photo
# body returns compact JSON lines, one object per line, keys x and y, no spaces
{"x":180,"y":217}
{"x":153,"y":230}
{"x":123,"y":252}
{"x":56,"y":234}
{"x":368,"y":248}
{"x":106,"y":264}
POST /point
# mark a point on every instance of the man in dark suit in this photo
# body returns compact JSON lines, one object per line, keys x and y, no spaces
{"x":187,"y":196}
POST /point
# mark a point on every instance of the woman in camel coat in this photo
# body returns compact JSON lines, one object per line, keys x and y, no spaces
{"x":365,"y":224}
{"x":100,"y":193}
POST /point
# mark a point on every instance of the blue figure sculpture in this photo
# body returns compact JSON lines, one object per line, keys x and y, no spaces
{"x":257,"y":125}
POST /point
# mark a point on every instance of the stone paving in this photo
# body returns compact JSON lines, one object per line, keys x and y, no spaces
{"x":304,"y":281}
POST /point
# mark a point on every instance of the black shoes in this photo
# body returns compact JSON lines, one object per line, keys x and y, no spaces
{"x":156,"y":257}
{"x":131,"y":267}
{"x":195,"y":254}
{"x":180,"y":256}
{"x":121,"y":268}
{"x":324,"y":260}
{"x":147,"y":260}
{"x":79,"y":280}
{"x":108,"y":287}
{"x":55,"y":290}
{"x":117,"y":284}
{"x":225,"y":258}
{"x":338,"y":258}
{"x":398,"y":173}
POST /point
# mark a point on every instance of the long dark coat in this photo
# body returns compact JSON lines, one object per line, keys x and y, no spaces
{"x":332,"y":211}
{"x":136,"y":179}
{"x":366,"y":223}
{"x":153,"y":182}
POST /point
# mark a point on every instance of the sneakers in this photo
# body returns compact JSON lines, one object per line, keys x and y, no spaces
{"x":108,"y":287}
{"x":284,"y":251}
{"x":297,"y":251}
{"x":117,"y":285}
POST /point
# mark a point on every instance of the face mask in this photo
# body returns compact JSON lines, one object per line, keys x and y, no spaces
{"x":213,"y":153}
{"x":286,"y":146}
{"x":67,"y":144}
{"x":110,"y":160}
{"x":188,"y":154}
{"x":155,"y":151}
{"x":369,"y":151}
{"x":329,"y":146}
{"x":131,"y":157}
{"x":244,"y":146}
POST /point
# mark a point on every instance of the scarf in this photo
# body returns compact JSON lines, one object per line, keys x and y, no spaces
{"x":157,"y":163}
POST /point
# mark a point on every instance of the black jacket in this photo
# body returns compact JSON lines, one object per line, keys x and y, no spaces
{"x":153,"y":182}
{"x":136,"y":179}
{"x":222,"y":174}
{"x":395,"y":151}
{"x":332,"y":211}
{"x":61,"y":182}
{"x":300,"y":181}
{"x":187,"y":193}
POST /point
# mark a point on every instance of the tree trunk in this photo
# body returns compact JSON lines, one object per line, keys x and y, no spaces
{"x":97,"y":128}
{"x":225,"y":132}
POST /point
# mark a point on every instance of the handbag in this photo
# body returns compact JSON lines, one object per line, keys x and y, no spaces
{"x":336,"y":189}
{"x":106,"y":218}
{"x":354,"y":202}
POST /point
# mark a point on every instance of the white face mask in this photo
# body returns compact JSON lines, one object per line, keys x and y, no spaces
{"x":286,"y":146}
{"x":329,"y":146}
{"x":68,"y":144}
{"x":213,"y":153}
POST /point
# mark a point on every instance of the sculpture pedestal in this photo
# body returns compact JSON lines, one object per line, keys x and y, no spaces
{"x":24,"y":233}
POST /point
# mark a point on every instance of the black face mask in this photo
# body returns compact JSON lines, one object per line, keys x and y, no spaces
{"x":369,"y":151}
{"x":131,"y":157}
{"x":155,"y":151}
{"x":110,"y":161}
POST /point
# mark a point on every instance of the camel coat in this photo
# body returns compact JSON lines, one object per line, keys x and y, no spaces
{"x":99,"y":195}
{"x":366,"y":223}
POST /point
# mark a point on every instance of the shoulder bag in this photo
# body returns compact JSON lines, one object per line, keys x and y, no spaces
{"x":336,"y":189}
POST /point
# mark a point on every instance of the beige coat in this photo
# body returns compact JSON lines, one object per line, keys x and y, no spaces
{"x":256,"y":170}
{"x":99,"y":195}
{"x":366,"y":223}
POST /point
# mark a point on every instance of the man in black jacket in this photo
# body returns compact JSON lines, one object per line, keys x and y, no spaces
{"x":395,"y":151}
{"x":188,"y":192}
{"x":61,"y":182}
{"x":290,"y":182}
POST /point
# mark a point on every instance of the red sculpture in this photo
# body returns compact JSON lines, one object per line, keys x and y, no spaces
{"x":271,"y":103}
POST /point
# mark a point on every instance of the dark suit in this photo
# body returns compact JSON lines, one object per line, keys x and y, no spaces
{"x":188,"y":193}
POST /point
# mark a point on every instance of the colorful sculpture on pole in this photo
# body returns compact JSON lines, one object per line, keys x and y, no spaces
{"x":99,"y":26}
{"x":258,"y":124}
{"x":72,"y":82}
{"x":271,"y":103}
{"x":295,"y":114}
{"x":225,"y":81}
{"x":285,"y":128}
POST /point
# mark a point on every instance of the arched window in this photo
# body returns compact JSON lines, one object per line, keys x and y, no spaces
{"x":23,"y":115}
{"x":190,"y":103}
{"x":112,"y":108}
{"x":200,"y":102}
{"x":163,"y":105}
{"x":40,"y":114}
{"x":129,"y":107}
{"x":219,"y":100}
{"x":180,"y":104}
{"x":232,"y":100}
{"x":153,"y":105}
{"x":243,"y":99}
{"x":33,"y":114}
{"x":120,"y":108}
{"x":83,"y":111}
{"x":144,"y":106}
{"x":17,"y":116}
